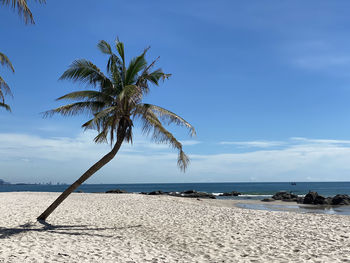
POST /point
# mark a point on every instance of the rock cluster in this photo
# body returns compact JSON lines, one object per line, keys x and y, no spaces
{"x":188,"y":193}
{"x":312,"y":198}
{"x":116,"y":191}
{"x":315,"y":199}
{"x":233,"y":193}
{"x":285,"y":196}
{"x":341,"y":200}
{"x":195,"y":194}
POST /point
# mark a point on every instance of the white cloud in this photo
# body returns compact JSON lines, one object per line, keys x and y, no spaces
{"x":31,"y":158}
{"x":190,"y":142}
{"x":24,"y":146}
{"x":320,"y":141}
{"x":256,"y":144}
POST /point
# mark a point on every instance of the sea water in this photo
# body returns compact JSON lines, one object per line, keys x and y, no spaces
{"x":249,"y":190}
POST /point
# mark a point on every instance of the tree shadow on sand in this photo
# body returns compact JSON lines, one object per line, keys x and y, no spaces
{"x":75,"y":230}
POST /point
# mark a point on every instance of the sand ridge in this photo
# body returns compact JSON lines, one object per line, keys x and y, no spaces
{"x":138,"y":228}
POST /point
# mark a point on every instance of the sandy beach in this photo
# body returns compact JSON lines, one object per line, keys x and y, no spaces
{"x":138,"y":228}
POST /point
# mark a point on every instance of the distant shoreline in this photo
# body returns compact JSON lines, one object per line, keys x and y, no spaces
{"x":228,"y":182}
{"x":248,"y":190}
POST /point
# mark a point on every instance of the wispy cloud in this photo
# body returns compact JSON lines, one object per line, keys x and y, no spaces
{"x":24,"y":146}
{"x":190,"y":142}
{"x":255,"y":144}
{"x":319,"y":141}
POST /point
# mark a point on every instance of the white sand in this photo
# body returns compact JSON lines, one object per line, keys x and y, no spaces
{"x":137,"y":228}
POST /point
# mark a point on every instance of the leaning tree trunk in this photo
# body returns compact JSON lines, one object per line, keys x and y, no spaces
{"x":93,"y":169}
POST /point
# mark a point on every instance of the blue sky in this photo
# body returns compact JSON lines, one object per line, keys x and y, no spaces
{"x":265,"y":83}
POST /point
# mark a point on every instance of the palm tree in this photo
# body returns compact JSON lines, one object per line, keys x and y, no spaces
{"x":22,"y":7}
{"x":4,"y":88}
{"x":116,"y":105}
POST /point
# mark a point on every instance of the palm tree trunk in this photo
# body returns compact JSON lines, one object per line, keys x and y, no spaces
{"x":93,"y":169}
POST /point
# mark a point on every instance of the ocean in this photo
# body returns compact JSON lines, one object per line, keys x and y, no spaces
{"x":249,"y":190}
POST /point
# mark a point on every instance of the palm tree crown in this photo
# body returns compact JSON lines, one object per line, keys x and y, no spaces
{"x":4,"y":88}
{"x":118,"y":101}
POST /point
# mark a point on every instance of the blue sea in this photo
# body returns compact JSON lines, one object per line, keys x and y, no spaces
{"x":249,"y":190}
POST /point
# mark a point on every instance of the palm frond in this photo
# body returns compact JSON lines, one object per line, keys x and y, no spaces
{"x":107,"y":128}
{"x":113,"y":60}
{"x":104,"y":47}
{"x":87,"y":95}
{"x":88,"y":107}
{"x":132,"y":93}
{"x":99,"y":118}
{"x":85,"y":71}
{"x":153,"y":77}
{"x":4,"y":61}
{"x":166,"y":116}
{"x":22,"y":8}
{"x":101,"y":137}
{"x":4,"y":88}
{"x":136,"y":65}
{"x":161,"y":135}
{"x":120,"y":48}
{"x":7,"y":107}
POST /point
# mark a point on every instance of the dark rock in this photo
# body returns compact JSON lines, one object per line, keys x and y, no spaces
{"x":310,"y":198}
{"x":159,"y":192}
{"x":189,"y":192}
{"x":233,"y":193}
{"x":268,"y":200}
{"x":116,"y":191}
{"x":195,"y":194}
{"x":328,"y":201}
{"x":300,"y":200}
{"x":341,"y":200}
{"x":313,"y":198}
{"x":320,"y":200}
{"x":285,"y":196}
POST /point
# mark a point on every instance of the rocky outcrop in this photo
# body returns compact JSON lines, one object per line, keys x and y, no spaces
{"x":233,"y":193}
{"x":188,"y":193}
{"x":341,"y":200}
{"x":313,"y":198}
{"x":285,"y":196}
{"x":195,"y":194}
{"x":116,"y":191}
{"x":159,"y":192}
